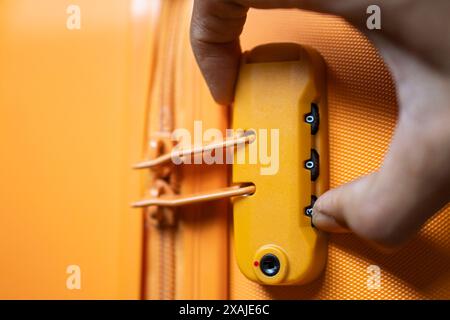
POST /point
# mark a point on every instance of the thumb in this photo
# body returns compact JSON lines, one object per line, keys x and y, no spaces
{"x":389,"y":206}
{"x":330,"y":210}
{"x":339,"y":210}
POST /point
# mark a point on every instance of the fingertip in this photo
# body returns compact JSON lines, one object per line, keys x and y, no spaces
{"x":222,"y":96}
{"x":327,"y":223}
{"x":327,"y":213}
{"x":326,"y":203}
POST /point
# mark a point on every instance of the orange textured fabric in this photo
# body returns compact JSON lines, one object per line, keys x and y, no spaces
{"x":362,"y":116}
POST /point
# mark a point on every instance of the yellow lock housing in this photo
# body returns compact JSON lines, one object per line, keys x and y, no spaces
{"x":281,"y":97}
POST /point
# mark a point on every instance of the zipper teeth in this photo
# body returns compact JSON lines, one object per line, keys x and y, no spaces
{"x":167,"y":234}
{"x":152,"y":80}
{"x":159,"y":258}
{"x":164,"y":285}
{"x":167,"y":266}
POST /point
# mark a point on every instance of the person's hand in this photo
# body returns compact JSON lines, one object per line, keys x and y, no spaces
{"x":388,"y":206}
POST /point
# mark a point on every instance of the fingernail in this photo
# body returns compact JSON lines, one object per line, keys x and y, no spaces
{"x":326,"y":223}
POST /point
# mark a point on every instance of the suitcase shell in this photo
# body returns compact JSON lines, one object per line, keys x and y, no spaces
{"x":78,"y":108}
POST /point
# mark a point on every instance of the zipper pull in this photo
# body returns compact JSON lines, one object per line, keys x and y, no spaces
{"x":177,"y":154}
{"x":160,"y":200}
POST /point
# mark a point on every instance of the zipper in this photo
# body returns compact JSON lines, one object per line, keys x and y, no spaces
{"x":185,"y":249}
{"x":161,"y":225}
